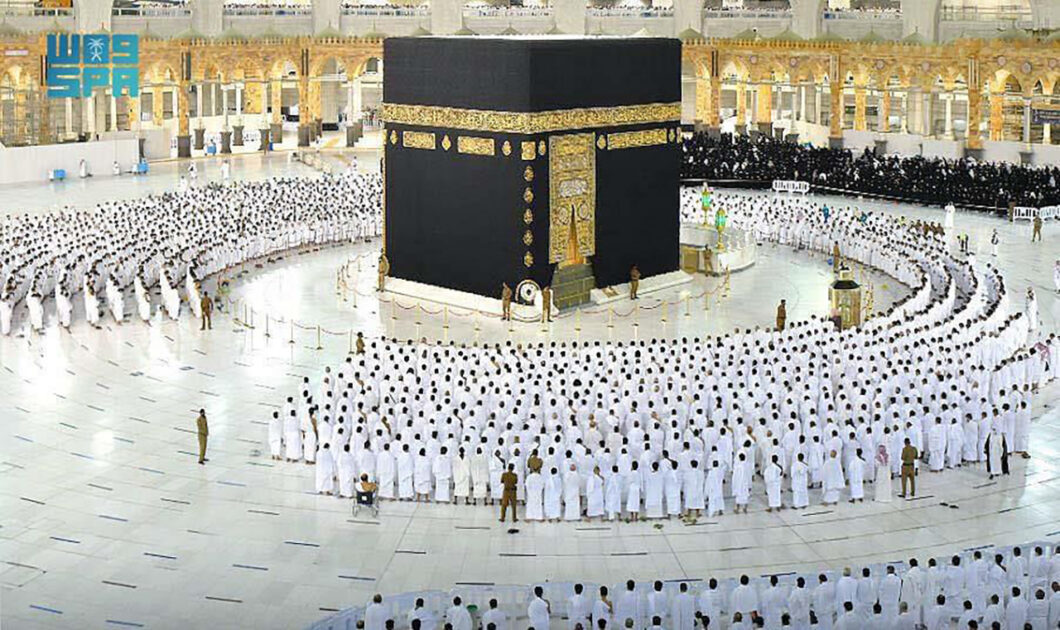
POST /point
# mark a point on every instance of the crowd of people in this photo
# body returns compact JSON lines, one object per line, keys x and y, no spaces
{"x":684,"y":427}
{"x":993,"y":587}
{"x":937,"y":181}
{"x":168,"y":243}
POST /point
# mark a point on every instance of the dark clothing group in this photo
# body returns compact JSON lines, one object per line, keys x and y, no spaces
{"x":936,"y":181}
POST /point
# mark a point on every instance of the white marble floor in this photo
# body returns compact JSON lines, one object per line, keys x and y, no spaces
{"x":106,"y":520}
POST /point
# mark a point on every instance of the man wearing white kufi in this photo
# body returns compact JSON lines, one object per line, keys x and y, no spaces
{"x":115,"y":300}
{"x":36,"y":311}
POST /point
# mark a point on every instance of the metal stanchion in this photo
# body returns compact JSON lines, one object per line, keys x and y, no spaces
{"x":351,"y":341}
{"x":319,"y":346}
{"x":445,"y":317}
{"x":636,"y":315}
{"x":578,"y":320}
{"x":610,"y":317}
{"x":688,"y":305}
{"x":666,"y":306}
{"x":267,"y":325}
{"x":292,"y":332}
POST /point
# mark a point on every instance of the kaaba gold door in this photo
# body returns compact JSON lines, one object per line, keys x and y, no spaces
{"x":572,"y":198}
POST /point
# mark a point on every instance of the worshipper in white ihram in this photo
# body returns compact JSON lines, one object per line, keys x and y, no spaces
{"x":594,"y":494}
{"x":143,"y":300}
{"x":346,"y":469}
{"x":292,"y":437}
{"x":461,"y":477}
{"x":832,"y":479}
{"x":539,"y":610}
{"x":856,"y":477}
{"x":882,"y":482}
{"x":535,"y":497}
{"x":115,"y":300}
{"x":276,"y":435}
{"x":572,"y":508}
{"x":325,"y":470}
{"x":64,"y":308}
{"x":800,"y":475}
{"x":36,"y":311}
{"x":613,"y":495}
{"x":773,"y":475}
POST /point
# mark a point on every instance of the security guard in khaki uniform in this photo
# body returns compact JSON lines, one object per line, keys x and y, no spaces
{"x":506,"y":301}
{"x":384,"y":271}
{"x":510,"y":481}
{"x":206,"y":304}
{"x":909,"y":457}
{"x":360,"y":343}
{"x":546,"y":304}
{"x":204,"y":432}
{"x":534,"y":463}
{"x":634,"y":282}
{"x":782,"y":315}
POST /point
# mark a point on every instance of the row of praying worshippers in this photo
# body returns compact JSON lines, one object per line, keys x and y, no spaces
{"x":992,"y":587}
{"x":169,"y":241}
{"x":949,"y":355}
{"x":937,"y":181}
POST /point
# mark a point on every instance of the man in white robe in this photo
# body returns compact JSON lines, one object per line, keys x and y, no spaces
{"x":553,"y":495}
{"x":832,"y":479}
{"x":683,"y":609}
{"x":613,"y":495}
{"x":442,"y":468}
{"x":325,"y":470}
{"x":276,"y":435}
{"x":36,"y":311}
{"x":535,"y":497}
{"x":773,"y":475}
{"x":386,"y":472}
{"x":594,"y":495}
{"x":539,"y":610}
{"x":115,"y":300}
{"x":462,"y":478}
{"x":856,"y":478}
{"x":405,"y":468}
{"x":715,"y":491}
{"x":346,"y":472}
{"x":572,"y":506}
{"x":800,"y":496}
{"x":741,"y":482}
{"x":579,"y":608}
{"x":653,"y":492}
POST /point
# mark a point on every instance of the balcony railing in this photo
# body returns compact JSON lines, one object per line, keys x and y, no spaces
{"x":864,"y":14}
{"x":638,"y":12}
{"x":992,"y":14}
{"x":383,"y":10}
{"x":28,"y":10}
{"x":149,"y":11}
{"x":510,"y":12}
{"x":752,"y":14}
{"x":268,"y":9}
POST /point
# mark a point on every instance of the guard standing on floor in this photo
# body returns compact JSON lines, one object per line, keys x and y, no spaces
{"x":634,"y":282}
{"x":782,"y":315}
{"x":510,"y":481}
{"x":909,"y":457}
{"x":206,"y":305}
{"x":506,"y":301}
{"x":384,"y":271}
{"x":546,"y":304}
{"x":360,"y":343}
{"x":1037,"y":235}
{"x":204,"y":432}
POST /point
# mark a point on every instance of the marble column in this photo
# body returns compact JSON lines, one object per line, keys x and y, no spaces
{"x":949,"y":116}
{"x":884,"y":116}
{"x":183,"y":122}
{"x":1026,"y":121}
{"x":69,"y":120}
{"x":997,"y":104}
{"x":277,"y":116}
{"x":860,"y":105}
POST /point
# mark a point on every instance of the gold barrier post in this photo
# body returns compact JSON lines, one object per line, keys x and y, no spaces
{"x":267,"y":325}
{"x":665,"y":307}
{"x":351,"y":341}
{"x":578,"y":320}
{"x":445,"y":317}
{"x":319,"y":346}
{"x":292,"y":332}
{"x":636,"y":315}
{"x":688,"y":305}
{"x":251,"y":323}
{"x":610,"y":317}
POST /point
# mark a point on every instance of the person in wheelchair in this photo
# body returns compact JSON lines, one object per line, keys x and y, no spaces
{"x":366,"y":495}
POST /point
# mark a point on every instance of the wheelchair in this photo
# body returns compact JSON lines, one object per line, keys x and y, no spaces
{"x":366,"y":500}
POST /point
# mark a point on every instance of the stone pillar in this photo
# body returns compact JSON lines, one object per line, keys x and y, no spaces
{"x":688,"y":14}
{"x":915,"y":102}
{"x":570,"y":15}
{"x":764,"y":109}
{"x":353,"y":133}
{"x":1047,"y":134}
{"x":277,"y":117}
{"x":714,"y":122}
{"x":213,"y":98}
{"x":134,"y":113}
{"x":183,"y":124}
{"x":305,"y":113}
{"x":200,"y":137}
{"x":92,"y":16}
{"x":973,"y":141}
{"x":1027,"y":121}
{"x":90,"y":113}
{"x":237,"y":135}
{"x":884,"y":122}
{"x":44,"y":135}
{"x":264,"y":133}
{"x":702,"y":103}
{"x":224,"y":107}
{"x":447,"y":16}
{"x":997,"y":103}
{"x":199,"y":89}
{"x":741,"y":107}
{"x":326,"y":14}
{"x":112,"y":102}
{"x":207,"y":16}
{"x":949,"y":116}
{"x":921,"y":17}
{"x":806,"y":17}
{"x":226,"y":141}
{"x":860,"y":105}
{"x":835,"y":124}
{"x":239,"y":98}
{"x":158,"y":106}
{"x":818,"y":99}
{"x":69,"y":121}
{"x":929,"y":116}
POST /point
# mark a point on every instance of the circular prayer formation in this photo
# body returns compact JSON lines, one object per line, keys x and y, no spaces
{"x":659,"y":428}
{"x":164,"y":241}
{"x":636,"y":429}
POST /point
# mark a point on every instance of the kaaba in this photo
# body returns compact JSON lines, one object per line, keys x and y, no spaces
{"x":513,"y":159}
